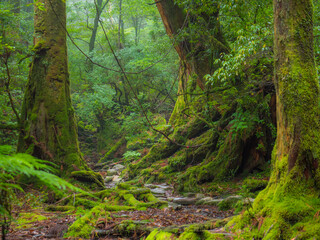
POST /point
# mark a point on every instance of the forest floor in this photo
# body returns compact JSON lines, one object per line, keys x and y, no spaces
{"x":52,"y":225}
{"x":33,"y":222}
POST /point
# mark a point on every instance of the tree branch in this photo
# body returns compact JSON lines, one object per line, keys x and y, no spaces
{"x":7,"y":85}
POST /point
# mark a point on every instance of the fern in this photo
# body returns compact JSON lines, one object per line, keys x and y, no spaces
{"x":11,"y":166}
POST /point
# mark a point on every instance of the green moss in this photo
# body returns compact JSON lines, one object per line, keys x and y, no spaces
{"x":131,"y":200}
{"x":83,"y":226}
{"x":124,"y":186}
{"x":200,"y":227}
{"x":116,"y":208}
{"x":26,"y":220}
{"x":88,"y":204}
{"x":254,"y":185}
{"x":103,"y":194}
{"x":160,"y":235}
{"x":227,"y":204}
{"x":149,"y":197}
{"x":189,"y":236}
{"x":89,"y":177}
{"x":279,"y":217}
{"x":55,"y":208}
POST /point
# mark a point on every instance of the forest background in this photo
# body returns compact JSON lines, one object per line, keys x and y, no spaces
{"x":206,"y":87}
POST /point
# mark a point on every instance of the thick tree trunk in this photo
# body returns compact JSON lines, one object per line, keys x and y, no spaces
{"x":195,"y":62}
{"x":297,"y":87}
{"x":298,"y":132}
{"x":49,"y":129}
{"x":286,"y":208}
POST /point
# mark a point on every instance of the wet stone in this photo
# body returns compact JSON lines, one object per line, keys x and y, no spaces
{"x":116,"y":178}
{"x":112,"y":172}
{"x":174,"y":206}
{"x":108,"y":179}
{"x":185,"y":201}
{"x":118,"y":167}
{"x":162,"y":186}
{"x":158,"y":191}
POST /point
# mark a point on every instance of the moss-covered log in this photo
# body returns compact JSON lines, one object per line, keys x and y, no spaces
{"x":47,"y":118}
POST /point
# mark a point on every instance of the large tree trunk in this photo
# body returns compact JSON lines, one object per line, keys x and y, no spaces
{"x":297,"y":87}
{"x":293,"y":190}
{"x":49,"y":129}
{"x":191,"y":124}
{"x":195,"y":61}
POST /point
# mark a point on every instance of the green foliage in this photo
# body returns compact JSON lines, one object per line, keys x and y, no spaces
{"x":15,"y":36}
{"x":103,"y":100}
{"x":14,"y":166}
{"x":131,"y":155}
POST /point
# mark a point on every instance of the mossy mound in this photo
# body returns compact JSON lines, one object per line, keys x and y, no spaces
{"x":254,"y":184}
{"x":125,"y":197}
{"x":281,"y":213}
{"x":26,"y":220}
{"x":92,"y":179}
{"x":83,"y":227}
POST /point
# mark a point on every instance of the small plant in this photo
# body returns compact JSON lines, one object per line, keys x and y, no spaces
{"x":131,"y":155}
{"x":246,"y":201}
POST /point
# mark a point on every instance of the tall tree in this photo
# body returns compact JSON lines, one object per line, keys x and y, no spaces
{"x":49,"y":129}
{"x":293,"y":190}
{"x":194,"y":59}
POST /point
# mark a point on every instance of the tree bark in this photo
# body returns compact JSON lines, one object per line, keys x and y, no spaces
{"x":47,"y":118}
{"x":295,"y":178}
{"x":296,"y":85}
{"x":195,"y":62}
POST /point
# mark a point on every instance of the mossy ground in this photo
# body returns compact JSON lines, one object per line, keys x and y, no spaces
{"x":26,"y":220}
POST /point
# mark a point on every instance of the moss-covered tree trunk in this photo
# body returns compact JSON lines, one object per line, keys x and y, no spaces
{"x":288,"y":205}
{"x":49,"y":128}
{"x":297,"y":88}
{"x":194,"y":60}
{"x":297,"y":147}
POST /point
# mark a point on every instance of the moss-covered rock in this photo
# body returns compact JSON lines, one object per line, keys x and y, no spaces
{"x":254,"y":185}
